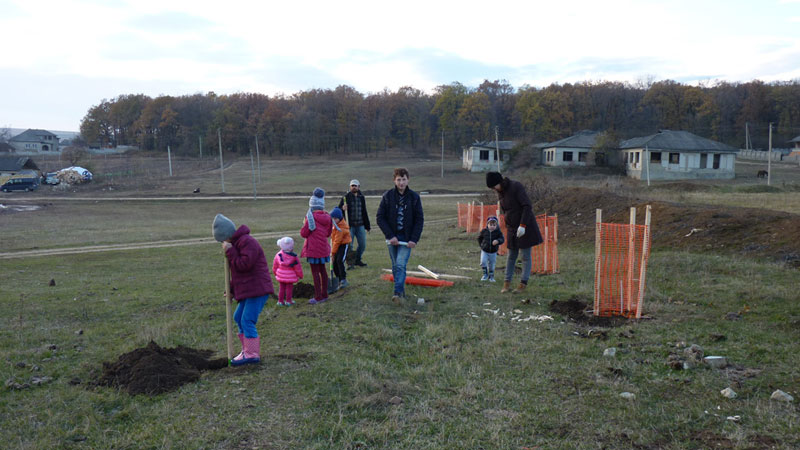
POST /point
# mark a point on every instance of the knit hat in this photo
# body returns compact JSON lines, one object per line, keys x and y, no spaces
{"x":223,"y":228}
{"x":491,"y":218}
{"x":493,"y":179}
{"x":286,"y":244}
{"x":336,"y":213}
{"x":317,"y":200}
{"x":355,"y":183}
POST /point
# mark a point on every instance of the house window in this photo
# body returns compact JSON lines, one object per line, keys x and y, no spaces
{"x":655,"y":157}
{"x":484,"y":156}
{"x":582,"y":156}
{"x":674,"y":158}
{"x":703,"y":160}
{"x":717,"y":158}
{"x":567,"y":156}
{"x":637,"y":157}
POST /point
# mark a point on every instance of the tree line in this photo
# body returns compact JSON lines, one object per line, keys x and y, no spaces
{"x":343,"y":120}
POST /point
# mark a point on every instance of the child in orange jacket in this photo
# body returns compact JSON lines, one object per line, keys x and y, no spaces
{"x":340,"y":243}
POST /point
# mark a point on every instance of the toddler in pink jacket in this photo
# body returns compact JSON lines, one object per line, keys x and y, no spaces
{"x":287,"y":270}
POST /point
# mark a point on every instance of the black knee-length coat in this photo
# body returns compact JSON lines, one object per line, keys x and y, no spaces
{"x":517,"y":207}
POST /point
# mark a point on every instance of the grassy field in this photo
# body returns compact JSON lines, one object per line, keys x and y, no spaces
{"x":330,"y":373}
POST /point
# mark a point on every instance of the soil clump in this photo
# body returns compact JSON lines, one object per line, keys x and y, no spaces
{"x":153,"y":370}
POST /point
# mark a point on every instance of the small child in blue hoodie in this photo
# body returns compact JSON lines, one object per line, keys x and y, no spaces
{"x":490,"y":240}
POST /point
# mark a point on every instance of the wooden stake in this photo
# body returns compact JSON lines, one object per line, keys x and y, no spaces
{"x":427,"y":272}
{"x":228,"y":315}
{"x":598,"y":222}
{"x":631,"y":259}
{"x":643,"y":264}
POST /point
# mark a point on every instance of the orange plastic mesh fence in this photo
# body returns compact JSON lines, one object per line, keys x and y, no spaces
{"x":544,"y":257}
{"x":473,"y":218}
{"x":620,"y":269}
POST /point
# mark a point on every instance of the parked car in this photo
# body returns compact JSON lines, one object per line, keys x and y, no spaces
{"x":51,"y":178}
{"x":20,"y":184}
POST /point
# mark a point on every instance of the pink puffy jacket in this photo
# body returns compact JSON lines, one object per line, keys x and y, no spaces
{"x":316,"y":244}
{"x":287,"y":267}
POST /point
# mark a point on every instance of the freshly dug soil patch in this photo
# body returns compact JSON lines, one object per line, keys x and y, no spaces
{"x":575,"y":309}
{"x":303,"y":290}
{"x":154,"y":370}
{"x":699,"y":228}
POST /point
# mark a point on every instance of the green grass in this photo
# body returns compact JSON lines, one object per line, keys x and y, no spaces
{"x":329,"y":371}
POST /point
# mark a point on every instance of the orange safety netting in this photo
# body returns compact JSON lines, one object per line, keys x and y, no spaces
{"x":473,"y":218}
{"x":544,"y":257}
{"x":621,"y":254}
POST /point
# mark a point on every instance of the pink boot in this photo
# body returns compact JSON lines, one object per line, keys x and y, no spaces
{"x":241,"y":340}
{"x":251,"y":353}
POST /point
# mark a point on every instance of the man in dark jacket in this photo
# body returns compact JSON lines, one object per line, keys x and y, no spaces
{"x":357,"y":218}
{"x":400,"y":218}
{"x":522,"y":232}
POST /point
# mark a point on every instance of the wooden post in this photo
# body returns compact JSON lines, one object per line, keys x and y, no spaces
{"x":546,"y":243}
{"x":201,"y":146}
{"x":555,"y":244}
{"x":228,"y":315}
{"x":631,"y":258}
{"x":643,"y":264}
{"x":598,"y":222}
{"x":480,"y":224}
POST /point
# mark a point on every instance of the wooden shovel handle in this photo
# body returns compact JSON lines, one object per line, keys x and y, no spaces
{"x":228,"y":315}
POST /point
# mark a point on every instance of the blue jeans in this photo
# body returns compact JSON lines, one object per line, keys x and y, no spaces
{"x":359,"y":233}
{"x":246,"y":315}
{"x":526,"y":263}
{"x":399,"y":255}
{"x":488,"y":260}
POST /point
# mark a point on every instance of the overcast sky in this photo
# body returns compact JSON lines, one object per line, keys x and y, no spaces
{"x":63,"y":56}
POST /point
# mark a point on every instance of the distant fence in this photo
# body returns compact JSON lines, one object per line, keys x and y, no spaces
{"x":759,"y":155}
{"x":472,"y":218}
{"x":621,"y":255}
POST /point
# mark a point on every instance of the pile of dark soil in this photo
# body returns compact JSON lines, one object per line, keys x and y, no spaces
{"x":575,"y":309}
{"x":154,"y":370}
{"x":303,"y":290}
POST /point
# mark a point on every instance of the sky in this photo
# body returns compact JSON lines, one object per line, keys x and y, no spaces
{"x":62,"y":57}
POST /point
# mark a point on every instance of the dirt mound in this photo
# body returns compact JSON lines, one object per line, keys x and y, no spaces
{"x":746,"y":231}
{"x":303,"y":290}
{"x":575,"y":309}
{"x":154,"y":370}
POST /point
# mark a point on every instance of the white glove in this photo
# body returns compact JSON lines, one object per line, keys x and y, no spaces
{"x":520,"y":231}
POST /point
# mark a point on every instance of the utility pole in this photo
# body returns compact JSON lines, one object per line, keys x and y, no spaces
{"x":221,"y":171}
{"x":169,"y":158}
{"x":748,"y":143}
{"x":258,"y":160}
{"x":253,"y":168}
{"x":442,"y":153}
{"x":497,"y":148}
{"x":201,"y":146}
{"x":769,"y":155}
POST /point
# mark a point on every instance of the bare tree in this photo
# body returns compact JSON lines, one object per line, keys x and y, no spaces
{"x":74,"y":154}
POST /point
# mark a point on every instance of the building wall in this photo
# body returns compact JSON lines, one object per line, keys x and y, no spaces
{"x":690,"y":165}
{"x":471,"y":160}
{"x":36,"y":147}
{"x":554,"y":156}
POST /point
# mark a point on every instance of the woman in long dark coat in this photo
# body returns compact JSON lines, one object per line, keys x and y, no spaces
{"x":522,"y":232}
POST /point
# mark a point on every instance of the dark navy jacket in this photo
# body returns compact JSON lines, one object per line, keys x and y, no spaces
{"x":413,"y":217}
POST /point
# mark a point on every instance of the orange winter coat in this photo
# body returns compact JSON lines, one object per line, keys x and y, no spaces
{"x":340,"y":237}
